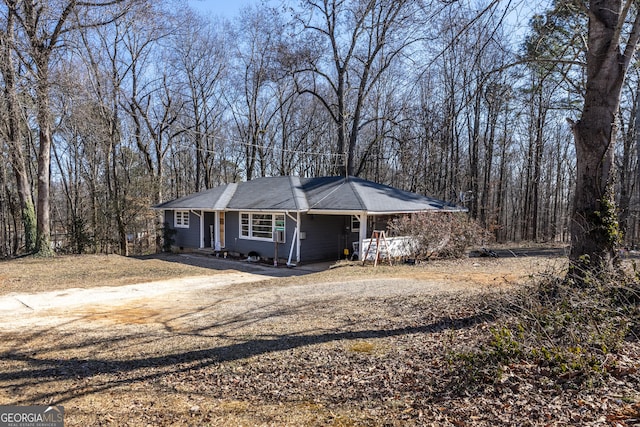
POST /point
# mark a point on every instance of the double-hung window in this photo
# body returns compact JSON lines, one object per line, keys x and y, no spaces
{"x":181,"y":219}
{"x":260,"y":226}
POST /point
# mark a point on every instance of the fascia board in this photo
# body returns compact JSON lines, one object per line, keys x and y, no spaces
{"x":335,"y":212}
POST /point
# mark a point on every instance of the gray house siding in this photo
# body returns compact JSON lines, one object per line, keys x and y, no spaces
{"x":209,"y":220}
{"x":326,"y":237}
{"x":189,"y":237}
{"x":185,"y":237}
{"x":265,"y":249}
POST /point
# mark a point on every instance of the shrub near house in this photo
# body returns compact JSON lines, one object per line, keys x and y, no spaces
{"x":446,"y":235}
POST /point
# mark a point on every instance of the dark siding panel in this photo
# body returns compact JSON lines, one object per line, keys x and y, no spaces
{"x":209,"y":220}
{"x":232,"y":228}
{"x":284,"y":249}
{"x":185,"y":237}
{"x":326,"y":237}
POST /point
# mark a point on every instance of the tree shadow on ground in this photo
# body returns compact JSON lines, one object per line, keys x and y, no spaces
{"x":221,"y":264}
{"x":34,"y":370}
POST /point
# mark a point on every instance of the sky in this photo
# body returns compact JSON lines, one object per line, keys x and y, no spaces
{"x":223,"y":8}
{"x":521,"y":10}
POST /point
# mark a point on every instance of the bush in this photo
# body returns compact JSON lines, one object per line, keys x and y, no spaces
{"x":571,"y":334}
{"x":79,"y":238}
{"x":440,"y":234}
{"x":167,"y":237}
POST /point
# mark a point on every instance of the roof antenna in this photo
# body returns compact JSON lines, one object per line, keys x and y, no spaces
{"x":346,"y":165}
{"x":341,"y":165}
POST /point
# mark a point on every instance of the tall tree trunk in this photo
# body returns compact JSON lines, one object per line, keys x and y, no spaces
{"x":41,"y":44}
{"x":474,"y":156}
{"x":594,"y":226}
{"x":341,"y":123}
{"x":43,"y":232}
{"x":626,"y":174}
{"x":537,"y":167}
{"x":18,"y":164}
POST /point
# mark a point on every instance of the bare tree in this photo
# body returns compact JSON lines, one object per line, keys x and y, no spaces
{"x":44,"y":24}
{"x":341,"y":80}
{"x":611,"y":45}
{"x":626,"y":157}
{"x":13,"y":129}
{"x":363,"y":39}
{"x":255,"y":103}
{"x":199,"y":54}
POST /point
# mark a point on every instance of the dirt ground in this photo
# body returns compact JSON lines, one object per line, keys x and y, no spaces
{"x":193,"y":340}
{"x":39,"y":294}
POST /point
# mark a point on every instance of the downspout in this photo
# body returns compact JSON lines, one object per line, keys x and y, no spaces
{"x":201,"y":229}
{"x":298,"y":244}
{"x":296,"y":236}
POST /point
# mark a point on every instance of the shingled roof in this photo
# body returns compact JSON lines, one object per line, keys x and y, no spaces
{"x":323,"y":194}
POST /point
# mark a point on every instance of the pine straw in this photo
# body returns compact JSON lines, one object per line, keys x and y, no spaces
{"x":346,"y":361}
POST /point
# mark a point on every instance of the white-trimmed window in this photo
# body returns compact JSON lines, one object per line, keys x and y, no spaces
{"x":355,"y":224}
{"x":181,"y":219}
{"x":260,"y":226}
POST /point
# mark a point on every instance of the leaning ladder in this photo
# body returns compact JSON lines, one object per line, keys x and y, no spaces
{"x":381,"y":244}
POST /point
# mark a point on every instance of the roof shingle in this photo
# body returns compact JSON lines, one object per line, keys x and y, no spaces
{"x":333,"y":193}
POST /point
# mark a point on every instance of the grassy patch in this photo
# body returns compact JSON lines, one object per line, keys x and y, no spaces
{"x":35,"y":274}
{"x":362,"y":347}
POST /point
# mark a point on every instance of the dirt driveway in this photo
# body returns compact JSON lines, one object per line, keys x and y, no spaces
{"x":250,"y":346}
{"x":66,"y":305}
{"x":229,"y":294}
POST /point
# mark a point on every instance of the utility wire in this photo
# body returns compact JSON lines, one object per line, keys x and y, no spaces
{"x":248,"y":144}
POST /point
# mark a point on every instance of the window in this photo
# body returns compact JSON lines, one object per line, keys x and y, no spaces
{"x":259,"y":226}
{"x":355,"y":224}
{"x":181,"y":219}
{"x":244,"y":225}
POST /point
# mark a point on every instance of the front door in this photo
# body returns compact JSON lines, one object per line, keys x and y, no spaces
{"x":216,"y":231}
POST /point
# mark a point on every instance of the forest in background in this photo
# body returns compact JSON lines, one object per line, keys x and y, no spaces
{"x":139,"y":102}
